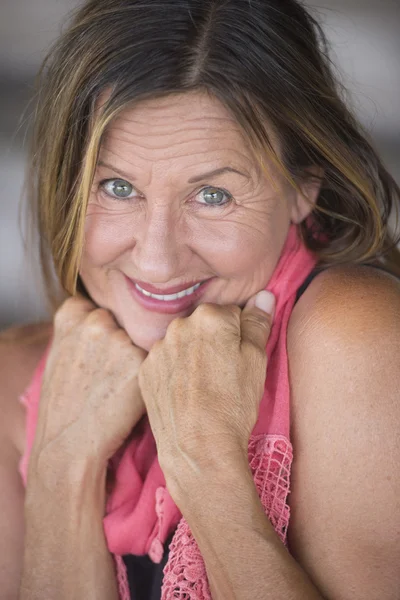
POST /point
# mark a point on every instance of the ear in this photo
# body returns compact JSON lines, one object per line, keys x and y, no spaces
{"x":310,"y":188}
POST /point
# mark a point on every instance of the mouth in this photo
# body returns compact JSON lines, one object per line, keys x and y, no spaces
{"x":167,"y":293}
{"x":171,"y":300}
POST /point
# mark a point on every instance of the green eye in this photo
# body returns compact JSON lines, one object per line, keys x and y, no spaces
{"x":117,"y":188}
{"x":214,"y":196}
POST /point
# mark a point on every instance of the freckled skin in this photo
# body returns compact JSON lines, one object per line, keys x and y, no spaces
{"x":166,"y":235}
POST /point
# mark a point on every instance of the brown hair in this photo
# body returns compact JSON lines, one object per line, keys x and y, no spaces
{"x":266,"y":60}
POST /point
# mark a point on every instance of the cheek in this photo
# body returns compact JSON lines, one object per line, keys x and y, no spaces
{"x":230,"y":246}
{"x":106,"y":237}
{"x":233,"y":248}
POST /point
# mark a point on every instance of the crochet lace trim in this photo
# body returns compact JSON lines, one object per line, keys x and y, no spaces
{"x":185,"y":577}
{"x":122,"y":578}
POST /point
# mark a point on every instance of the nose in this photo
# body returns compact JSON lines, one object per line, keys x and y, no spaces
{"x":158,"y":250}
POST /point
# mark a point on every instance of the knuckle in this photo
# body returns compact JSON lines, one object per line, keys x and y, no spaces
{"x":78,"y":304}
{"x":235,"y":310}
{"x":264,"y":318}
{"x":156,"y":347}
{"x":260,"y":320}
{"x":121,"y":338}
{"x":213,"y":316}
{"x":151,"y":358}
{"x":64,"y":316}
{"x":71,"y":311}
{"x":175,"y":326}
{"x":135,"y":355}
{"x":260,"y":355}
{"x":266,"y":326}
{"x":100,"y":315}
{"x":206,"y":311}
{"x":98,"y":321}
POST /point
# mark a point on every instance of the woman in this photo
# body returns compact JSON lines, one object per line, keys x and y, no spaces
{"x":205,"y":200}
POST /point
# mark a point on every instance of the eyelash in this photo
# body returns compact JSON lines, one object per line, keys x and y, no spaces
{"x":229,"y":196}
{"x":104,"y":182}
{"x":215,"y":206}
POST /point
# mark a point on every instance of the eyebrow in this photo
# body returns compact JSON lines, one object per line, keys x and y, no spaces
{"x":215,"y":173}
{"x":102,"y":163}
{"x":196,"y":179}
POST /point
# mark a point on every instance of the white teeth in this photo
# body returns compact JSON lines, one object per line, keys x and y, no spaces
{"x":168,"y":297}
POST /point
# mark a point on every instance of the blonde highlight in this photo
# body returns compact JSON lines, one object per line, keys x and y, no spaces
{"x":272,"y":76}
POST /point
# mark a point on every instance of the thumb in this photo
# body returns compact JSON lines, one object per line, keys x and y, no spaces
{"x":256,"y":319}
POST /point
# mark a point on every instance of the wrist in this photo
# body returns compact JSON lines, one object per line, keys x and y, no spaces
{"x":65,"y":483}
{"x":225,"y":475}
{"x":64,"y":532}
{"x":225,"y":501}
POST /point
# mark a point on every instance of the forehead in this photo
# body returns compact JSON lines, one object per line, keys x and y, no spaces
{"x":191,"y":109}
{"x":194,"y":120}
{"x":193,"y":131}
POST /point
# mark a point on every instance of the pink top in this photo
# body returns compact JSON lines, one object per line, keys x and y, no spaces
{"x":140,"y":513}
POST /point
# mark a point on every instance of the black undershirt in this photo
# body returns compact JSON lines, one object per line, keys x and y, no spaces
{"x":144,"y":576}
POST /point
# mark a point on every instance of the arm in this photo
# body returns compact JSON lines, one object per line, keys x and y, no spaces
{"x":65,"y":549}
{"x":345,"y":360}
{"x":244,"y":558}
{"x":344,"y":353}
{"x":11,"y":518}
{"x":89,"y":404}
{"x":20,"y":350}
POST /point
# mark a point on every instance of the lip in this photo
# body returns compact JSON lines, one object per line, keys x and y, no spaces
{"x":166,"y":307}
{"x":171,"y":290}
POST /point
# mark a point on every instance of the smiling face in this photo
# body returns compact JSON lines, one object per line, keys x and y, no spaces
{"x":178,"y":198}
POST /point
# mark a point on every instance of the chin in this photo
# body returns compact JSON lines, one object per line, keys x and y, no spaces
{"x":142,"y":336}
{"x":142,"y":332}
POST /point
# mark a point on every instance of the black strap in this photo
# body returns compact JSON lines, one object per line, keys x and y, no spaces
{"x":307,"y":281}
{"x":317,"y":270}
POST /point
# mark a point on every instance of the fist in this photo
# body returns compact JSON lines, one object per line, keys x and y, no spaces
{"x":90,"y":397}
{"x":202,"y":386}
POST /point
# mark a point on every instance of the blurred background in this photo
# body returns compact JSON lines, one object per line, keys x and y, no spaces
{"x":365,"y":37}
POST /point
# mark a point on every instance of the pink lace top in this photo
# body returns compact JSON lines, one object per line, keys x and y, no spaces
{"x":140,"y":513}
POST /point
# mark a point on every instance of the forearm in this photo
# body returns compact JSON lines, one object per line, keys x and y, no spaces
{"x":244,"y":558}
{"x":65,"y":552}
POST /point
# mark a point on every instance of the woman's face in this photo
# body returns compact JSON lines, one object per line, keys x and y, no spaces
{"x":178,"y":199}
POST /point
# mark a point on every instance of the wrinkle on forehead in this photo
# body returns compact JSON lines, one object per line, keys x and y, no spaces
{"x":194,"y":127}
{"x":185,"y":117}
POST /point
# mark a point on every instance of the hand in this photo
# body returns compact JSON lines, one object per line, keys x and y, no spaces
{"x":90,"y":397}
{"x":203,"y":383}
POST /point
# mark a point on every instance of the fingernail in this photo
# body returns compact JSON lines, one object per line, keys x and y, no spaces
{"x":266,"y":302}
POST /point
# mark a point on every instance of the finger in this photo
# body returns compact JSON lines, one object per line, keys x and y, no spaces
{"x":77,"y":305}
{"x":256,"y":319}
{"x":81,"y":304}
{"x":72,"y":311}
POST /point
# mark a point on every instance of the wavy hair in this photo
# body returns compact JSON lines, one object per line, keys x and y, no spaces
{"x":267,"y":61}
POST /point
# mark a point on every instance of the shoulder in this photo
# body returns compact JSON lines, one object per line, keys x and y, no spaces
{"x":21,"y":348}
{"x":344,"y":364}
{"x":351,"y":293}
{"x":348,"y":319}
{"x":345,"y":330}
